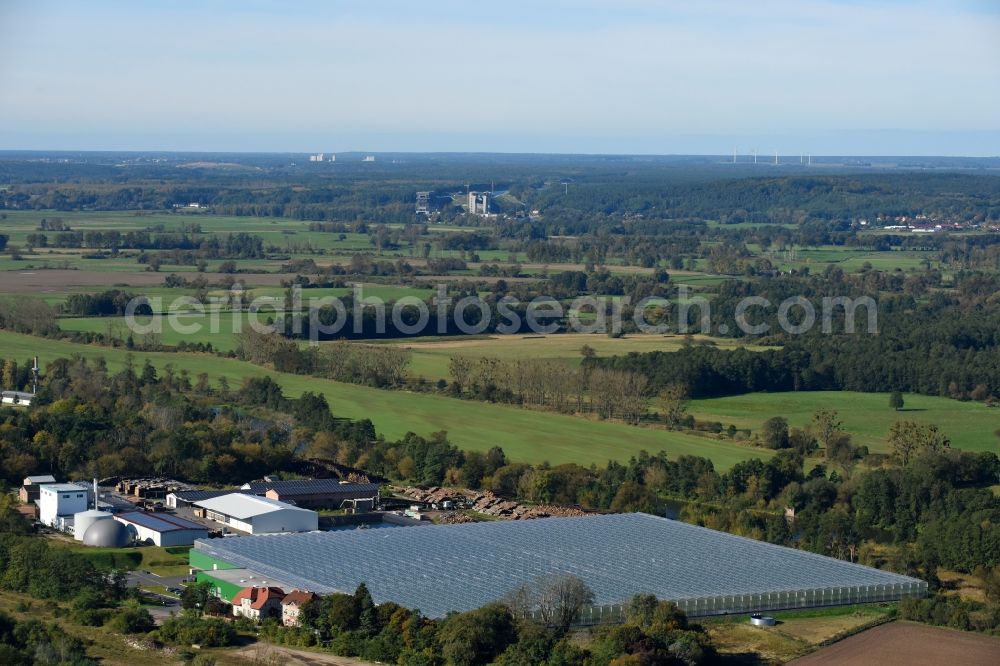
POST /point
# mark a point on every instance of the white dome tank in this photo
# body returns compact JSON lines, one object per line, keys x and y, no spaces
{"x":84,"y":519}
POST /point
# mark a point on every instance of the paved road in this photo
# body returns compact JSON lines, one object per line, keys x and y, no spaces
{"x":139,"y":578}
{"x":161,"y":613}
{"x":145,"y":579}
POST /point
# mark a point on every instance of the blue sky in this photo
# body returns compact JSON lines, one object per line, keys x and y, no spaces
{"x":623,"y":76}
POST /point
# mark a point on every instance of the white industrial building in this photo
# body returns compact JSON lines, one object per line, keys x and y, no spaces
{"x":258,"y":515}
{"x":58,"y":502}
{"x":16,"y":398}
{"x":161,"y":529}
{"x":479,"y":203}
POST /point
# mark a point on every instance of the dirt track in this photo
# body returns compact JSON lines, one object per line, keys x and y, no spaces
{"x":274,"y":655}
{"x":906,"y":644}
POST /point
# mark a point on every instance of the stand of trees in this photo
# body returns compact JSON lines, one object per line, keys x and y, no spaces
{"x":500,"y":633}
{"x":382,"y":366}
{"x":552,"y":384}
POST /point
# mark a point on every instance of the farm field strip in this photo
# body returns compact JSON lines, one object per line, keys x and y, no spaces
{"x":525,"y":435}
{"x":867,"y":416}
{"x":431,"y":357}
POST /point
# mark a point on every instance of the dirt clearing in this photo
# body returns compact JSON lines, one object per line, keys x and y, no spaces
{"x":265,"y":654}
{"x":905,"y":644}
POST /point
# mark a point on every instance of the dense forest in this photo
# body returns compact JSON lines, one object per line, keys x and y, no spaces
{"x":578,"y":194}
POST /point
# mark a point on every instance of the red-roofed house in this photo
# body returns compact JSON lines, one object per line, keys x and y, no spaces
{"x":291,"y":605}
{"x":258,"y":603}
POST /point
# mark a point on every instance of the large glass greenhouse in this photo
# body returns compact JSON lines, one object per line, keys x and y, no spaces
{"x":445,"y":568}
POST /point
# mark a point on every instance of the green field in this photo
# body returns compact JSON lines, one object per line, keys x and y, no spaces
{"x":867,"y":416}
{"x":218,"y":329}
{"x":216,"y":325}
{"x":162,"y":561}
{"x":431,"y":356}
{"x":848,"y":259}
{"x":536,"y":436}
{"x":525,"y":435}
{"x":294,"y":239}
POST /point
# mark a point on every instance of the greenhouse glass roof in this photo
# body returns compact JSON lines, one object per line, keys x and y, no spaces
{"x":460,"y":567}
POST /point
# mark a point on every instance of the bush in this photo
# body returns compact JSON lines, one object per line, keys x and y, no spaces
{"x":189,"y":629}
{"x":132,"y":619}
{"x":90,"y":617}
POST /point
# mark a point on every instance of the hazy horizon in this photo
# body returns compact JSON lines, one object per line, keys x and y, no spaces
{"x":832,"y":77}
{"x":744,"y":159}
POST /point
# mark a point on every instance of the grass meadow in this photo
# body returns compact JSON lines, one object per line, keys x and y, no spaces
{"x":525,"y":435}
{"x":867,"y":416}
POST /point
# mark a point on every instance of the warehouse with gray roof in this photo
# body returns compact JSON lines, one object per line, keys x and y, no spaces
{"x":256,"y":515}
{"x":461,"y":567}
{"x":315,"y":493}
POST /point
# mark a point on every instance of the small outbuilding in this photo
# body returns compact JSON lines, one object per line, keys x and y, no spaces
{"x":29,"y":487}
{"x":16,"y":398}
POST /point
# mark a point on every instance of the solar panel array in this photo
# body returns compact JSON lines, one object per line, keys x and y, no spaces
{"x":312,"y":486}
{"x":198,"y":495}
{"x":460,"y":567}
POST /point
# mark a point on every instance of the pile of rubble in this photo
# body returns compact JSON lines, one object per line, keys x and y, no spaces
{"x":455,"y":518}
{"x":437,"y":496}
{"x":487,"y":504}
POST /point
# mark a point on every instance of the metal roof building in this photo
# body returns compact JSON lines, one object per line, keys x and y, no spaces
{"x":460,"y":567}
{"x":29,"y":487}
{"x":317,"y":493}
{"x":189,"y":497}
{"x":16,"y":398}
{"x":162,"y":529}
{"x":38,"y":479}
{"x":258,"y":515}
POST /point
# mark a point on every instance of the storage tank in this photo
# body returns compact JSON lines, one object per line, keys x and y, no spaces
{"x":108,"y":534}
{"x":84,"y":519}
